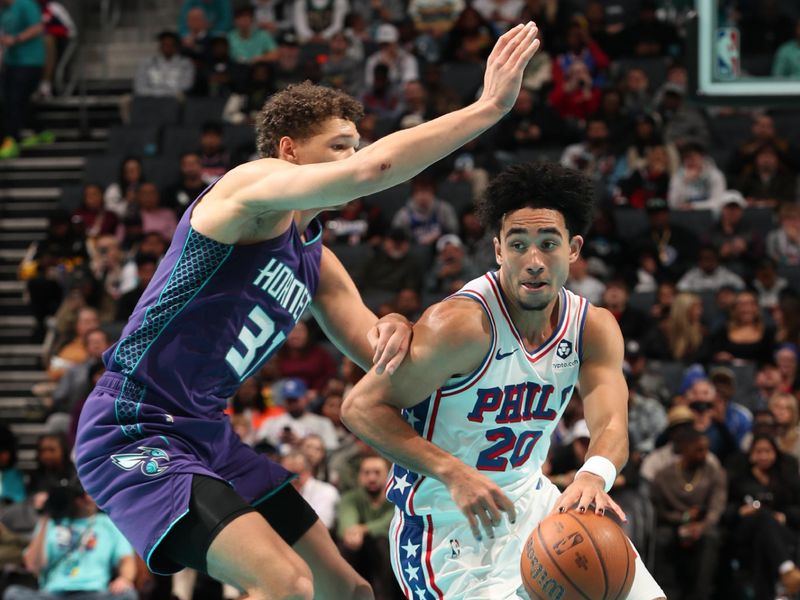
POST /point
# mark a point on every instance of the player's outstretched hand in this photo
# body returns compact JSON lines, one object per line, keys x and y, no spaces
{"x":510,"y":56}
{"x":587,"y":489}
{"x":390,"y":338}
{"x":480,"y":499}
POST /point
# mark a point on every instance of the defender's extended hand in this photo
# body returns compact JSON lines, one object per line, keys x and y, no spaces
{"x":506,"y":64}
{"x":390,"y":338}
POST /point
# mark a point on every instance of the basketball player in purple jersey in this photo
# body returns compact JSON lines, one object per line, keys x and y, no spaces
{"x":488,"y":375}
{"x":154,"y":448}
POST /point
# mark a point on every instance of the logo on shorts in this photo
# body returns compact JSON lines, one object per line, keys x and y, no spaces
{"x":148,"y":460}
{"x":455,"y":548}
{"x":564,"y":349}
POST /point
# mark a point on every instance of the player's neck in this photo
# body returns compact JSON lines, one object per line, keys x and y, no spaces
{"x":535,"y":326}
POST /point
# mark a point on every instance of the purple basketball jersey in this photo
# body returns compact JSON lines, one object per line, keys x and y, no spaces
{"x":214,"y":313}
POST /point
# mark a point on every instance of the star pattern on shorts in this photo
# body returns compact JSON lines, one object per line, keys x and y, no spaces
{"x":411,"y":549}
{"x":401,"y":483}
{"x":421,"y":594}
{"x":412,"y":419}
{"x":411,"y":572}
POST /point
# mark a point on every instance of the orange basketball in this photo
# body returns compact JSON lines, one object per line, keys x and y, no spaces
{"x":574,"y":556}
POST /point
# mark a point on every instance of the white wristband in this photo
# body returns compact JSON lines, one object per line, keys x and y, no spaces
{"x":602,"y":467}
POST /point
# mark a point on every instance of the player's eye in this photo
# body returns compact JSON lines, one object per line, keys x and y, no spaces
{"x":338,"y":147}
{"x":549,"y":245}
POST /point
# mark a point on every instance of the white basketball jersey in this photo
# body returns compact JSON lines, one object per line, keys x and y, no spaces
{"x":499,"y":418}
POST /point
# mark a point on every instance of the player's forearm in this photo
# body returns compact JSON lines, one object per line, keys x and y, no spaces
{"x":382,"y":427}
{"x":348,"y":331}
{"x":611,"y":442}
{"x":405,"y":153}
{"x":127,"y":568}
{"x":33,"y":557}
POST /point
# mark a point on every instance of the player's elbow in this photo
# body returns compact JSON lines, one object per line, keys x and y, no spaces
{"x":355,"y":412}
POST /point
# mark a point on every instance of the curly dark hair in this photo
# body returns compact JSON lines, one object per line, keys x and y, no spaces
{"x":298,"y":111}
{"x":539,"y":184}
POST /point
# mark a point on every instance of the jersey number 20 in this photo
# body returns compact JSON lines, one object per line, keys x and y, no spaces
{"x":493,"y":458}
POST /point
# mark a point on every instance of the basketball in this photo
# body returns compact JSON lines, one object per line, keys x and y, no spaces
{"x":574,"y":556}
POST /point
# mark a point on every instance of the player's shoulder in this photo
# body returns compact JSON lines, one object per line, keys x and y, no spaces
{"x":455,"y":321}
{"x":601,"y":333}
{"x":249,"y":172}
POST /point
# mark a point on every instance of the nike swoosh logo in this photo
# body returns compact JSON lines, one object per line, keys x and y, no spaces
{"x":501,"y":356}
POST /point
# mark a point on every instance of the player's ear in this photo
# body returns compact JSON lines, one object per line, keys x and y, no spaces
{"x":287,"y":150}
{"x":575,"y":245}
{"x":498,"y":251}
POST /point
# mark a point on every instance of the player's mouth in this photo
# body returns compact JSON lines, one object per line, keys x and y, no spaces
{"x":534,"y":286}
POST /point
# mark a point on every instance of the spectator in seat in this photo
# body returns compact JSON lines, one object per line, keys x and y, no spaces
{"x":581,"y":282}
{"x":304,"y":358}
{"x":248,"y":43}
{"x":390,"y":268}
{"x":13,"y":484}
{"x":593,"y":156}
{"x":682,"y":123}
{"x":690,"y":497}
{"x":425,"y":217}
{"x":288,"y":68}
{"x":651,"y":180}
{"x":322,"y":496}
{"x":636,"y":95}
{"x":167,"y":73}
{"x":179,"y":196}
{"x":762,"y":132}
{"x":681,"y":334}
{"x":59,"y":29}
{"x":709,"y":275}
{"x":697,"y":184}
{"x":363,"y":519}
{"x":673,"y":246}
{"x":402,"y":66}
{"x":341,"y":70}
{"x":196,"y":43}
{"x":767,"y":383}
{"x":503,"y":14}
{"x":77,"y":550}
{"x":452,"y":267}
{"x":574,"y":96}
{"x":91,"y":216}
{"x":646,"y":417}
{"x":313,"y":448}
{"x":52,"y":465}
{"x":632,"y":322}
{"x":581,"y":48}
{"x":155,"y":218}
{"x":146,"y":265}
{"x":786,"y":358}
{"x":783,"y":407}
{"x":732,"y":236}
{"x":746,"y":336}
{"x":767,"y":183}
{"x":218,"y":13}
{"x":220,"y":75}
{"x":316,"y":21}
{"x":769,"y":285}
{"x":787,"y":59}
{"x":647,"y":134}
{"x":120,"y":196}
{"x":381,"y":97}
{"x":737,"y":419}
{"x":764,"y":514}
{"x":286,"y":430}
{"x":528,"y":125}
{"x":214,"y":158}
{"x":783,"y":244}
{"x":74,"y":351}
{"x":649,"y":36}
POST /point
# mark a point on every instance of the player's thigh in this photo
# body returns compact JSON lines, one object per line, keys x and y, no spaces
{"x":334,"y":578}
{"x":251,"y":556}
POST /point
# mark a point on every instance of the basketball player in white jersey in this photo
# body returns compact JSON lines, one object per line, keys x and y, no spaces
{"x":488,"y":375}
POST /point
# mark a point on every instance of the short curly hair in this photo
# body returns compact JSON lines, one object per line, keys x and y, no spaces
{"x":539,"y":184}
{"x":298,"y":111}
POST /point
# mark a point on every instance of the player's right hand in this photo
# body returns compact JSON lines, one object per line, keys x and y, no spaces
{"x":480,"y":499}
{"x":505,"y":66}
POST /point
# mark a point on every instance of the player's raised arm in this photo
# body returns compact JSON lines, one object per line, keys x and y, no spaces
{"x":605,"y":407}
{"x":397,"y":157}
{"x":451,"y":338}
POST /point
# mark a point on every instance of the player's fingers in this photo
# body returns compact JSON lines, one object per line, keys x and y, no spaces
{"x":392,"y":365}
{"x":513,"y":43}
{"x":617,"y":509}
{"x":506,"y":505}
{"x":373,"y":336}
{"x":492,"y":510}
{"x":585,"y":500}
{"x":391,"y":343}
{"x":380,"y":345}
{"x":565,"y":501}
{"x":524,"y":47}
{"x":528,"y":53}
{"x":473,"y":523}
{"x":485,"y":520}
{"x":503,"y":40}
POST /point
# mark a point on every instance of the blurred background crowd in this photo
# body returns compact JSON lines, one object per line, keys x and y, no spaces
{"x":695,"y":249}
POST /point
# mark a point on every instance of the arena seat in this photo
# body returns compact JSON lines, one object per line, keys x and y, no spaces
{"x":456,"y":193}
{"x":642,"y":301}
{"x":464,"y":79}
{"x":760,"y":220}
{"x":141,"y":140}
{"x":102,"y":170}
{"x":201,"y":110}
{"x":160,"y":171}
{"x":352,"y":257}
{"x":631,"y":221}
{"x":177,"y":139}
{"x":390,"y":200}
{"x":698,"y":222}
{"x":71,"y":196}
{"x":146,"y":110}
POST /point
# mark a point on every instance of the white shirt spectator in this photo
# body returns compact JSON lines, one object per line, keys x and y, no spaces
{"x":696,"y":280}
{"x":500,"y":12}
{"x":161,"y":76}
{"x":308,"y":423}
{"x":403,"y":66}
{"x":323,"y":498}
{"x":703,"y":190}
{"x":589,"y":287}
{"x":319,"y":17}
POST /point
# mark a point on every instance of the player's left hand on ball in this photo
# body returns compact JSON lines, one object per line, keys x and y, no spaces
{"x":390,"y":338}
{"x":585,"y":490}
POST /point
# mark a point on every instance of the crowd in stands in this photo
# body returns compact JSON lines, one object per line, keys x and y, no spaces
{"x":695,"y":250}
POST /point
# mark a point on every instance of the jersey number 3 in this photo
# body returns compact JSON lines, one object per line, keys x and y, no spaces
{"x":253,"y":341}
{"x":505,"y":440}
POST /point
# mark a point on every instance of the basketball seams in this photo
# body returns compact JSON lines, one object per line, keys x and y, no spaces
{"x":595,"y":547}
{"x":555,"y":563}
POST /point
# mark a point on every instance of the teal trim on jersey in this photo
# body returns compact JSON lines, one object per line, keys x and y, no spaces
{"x":166,"y":441}
{"x":178,"y":309}
{"x":462,"y":380}
{"x":159,"y":540}
{"x":271,"y":493}
{"x":316,"y":237}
